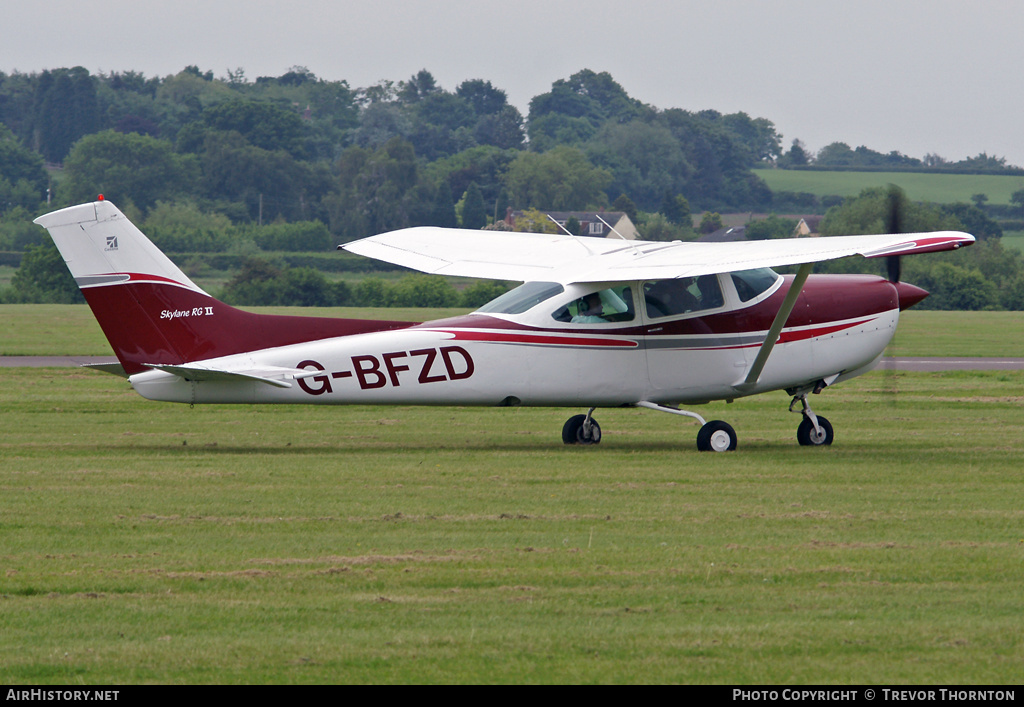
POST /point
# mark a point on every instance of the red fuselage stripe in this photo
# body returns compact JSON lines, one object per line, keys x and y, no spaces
{"x":787,"y":336}
{"x":498,"y":337}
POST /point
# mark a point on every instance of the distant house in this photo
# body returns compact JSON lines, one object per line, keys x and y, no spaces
{"x":808,"y":226}
{"x":591,"y":223}
{"x":725,"y":235}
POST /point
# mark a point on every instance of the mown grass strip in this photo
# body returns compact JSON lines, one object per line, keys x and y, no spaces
{"x":146,"y":542}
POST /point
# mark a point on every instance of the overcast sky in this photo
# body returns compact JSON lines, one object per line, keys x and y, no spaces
{"x":935,"y":76}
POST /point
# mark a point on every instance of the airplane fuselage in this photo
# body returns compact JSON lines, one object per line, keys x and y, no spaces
{"x":839,"y":328}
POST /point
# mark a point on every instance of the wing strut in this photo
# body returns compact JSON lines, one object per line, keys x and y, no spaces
{"x":773,"y":333}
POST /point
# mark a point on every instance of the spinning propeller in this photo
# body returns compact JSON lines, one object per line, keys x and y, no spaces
{"x":894,"y":224}
{"x":893,"y":266}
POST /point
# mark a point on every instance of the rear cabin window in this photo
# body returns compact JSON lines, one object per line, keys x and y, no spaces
{"x":669,"y":298}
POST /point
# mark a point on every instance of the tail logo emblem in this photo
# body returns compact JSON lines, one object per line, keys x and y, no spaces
{"x":111,"y":243}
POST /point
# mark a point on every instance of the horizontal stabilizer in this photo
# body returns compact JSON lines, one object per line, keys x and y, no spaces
{"x":276,"y":376}
{"x":114,"y":367}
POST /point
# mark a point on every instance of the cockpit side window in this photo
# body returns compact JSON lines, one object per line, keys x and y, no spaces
{"x":751,"y":283}
{"x":667,"y":298}
{"x":612,"y":304}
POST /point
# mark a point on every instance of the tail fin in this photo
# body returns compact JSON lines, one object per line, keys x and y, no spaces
{"x":151,"y":312}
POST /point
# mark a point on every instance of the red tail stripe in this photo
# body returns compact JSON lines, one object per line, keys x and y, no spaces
{"x":135,"y":277}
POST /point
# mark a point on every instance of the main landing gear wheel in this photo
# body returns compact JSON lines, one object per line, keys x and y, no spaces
{"x":577,"y":430}
{"x":716,"y":436}
{"x":807,"y":436}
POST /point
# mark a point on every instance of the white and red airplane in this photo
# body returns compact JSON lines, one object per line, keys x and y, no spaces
{"x":598,"y":323}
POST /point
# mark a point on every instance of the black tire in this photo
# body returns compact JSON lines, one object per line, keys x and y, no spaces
{"x":717,"y":436}
{"x":807,"y":437}
{"x":572,"y":431}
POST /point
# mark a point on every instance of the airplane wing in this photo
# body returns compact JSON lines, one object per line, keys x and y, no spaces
{"x":503,"y":255}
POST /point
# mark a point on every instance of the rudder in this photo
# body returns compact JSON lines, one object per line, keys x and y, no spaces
{"x":151,"y":312}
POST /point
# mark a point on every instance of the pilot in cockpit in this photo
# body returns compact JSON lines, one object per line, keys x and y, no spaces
{"x":590,"y":309}
{"x":601,"y":307}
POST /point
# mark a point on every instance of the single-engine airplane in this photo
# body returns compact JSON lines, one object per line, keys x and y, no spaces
{"x":598,"y":323}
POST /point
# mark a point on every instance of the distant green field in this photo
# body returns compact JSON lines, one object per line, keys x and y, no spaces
{"x":1013,"y":239}
{"x":935,"y":188}
{"x":71,"y":330}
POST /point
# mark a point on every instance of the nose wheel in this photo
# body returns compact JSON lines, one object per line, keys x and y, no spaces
{"x":809,"y":436}
{"x":814,"y":430}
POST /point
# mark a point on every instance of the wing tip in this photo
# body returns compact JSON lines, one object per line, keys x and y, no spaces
{"x":935,"y":242}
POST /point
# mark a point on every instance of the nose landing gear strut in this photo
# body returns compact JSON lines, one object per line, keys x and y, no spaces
{"x":814,"y":430}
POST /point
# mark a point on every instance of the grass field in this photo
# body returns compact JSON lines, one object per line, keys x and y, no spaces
{"x":146,"y":542}
{"x":935,"y":188}
{"x":70,"y":330}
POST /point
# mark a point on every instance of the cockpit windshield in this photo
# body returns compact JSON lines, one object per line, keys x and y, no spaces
{"x":522,"y":298}
{"x":750,"y":283}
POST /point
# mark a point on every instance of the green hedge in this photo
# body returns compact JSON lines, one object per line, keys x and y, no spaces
{"x":333,"y":261}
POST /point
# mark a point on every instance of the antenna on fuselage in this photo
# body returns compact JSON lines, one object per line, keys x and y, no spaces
{"x":636,"y":251}
{"x":567,"y":231}
{"x":578,"y":239}
{"x":611,"y":227}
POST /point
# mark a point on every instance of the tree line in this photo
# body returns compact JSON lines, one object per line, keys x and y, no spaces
{"x":297,"y":147}
{"x":294,"y":162}
{"x":840,"y":156}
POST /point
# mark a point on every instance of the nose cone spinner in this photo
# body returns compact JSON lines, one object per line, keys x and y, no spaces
{"x":909,"y":294}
